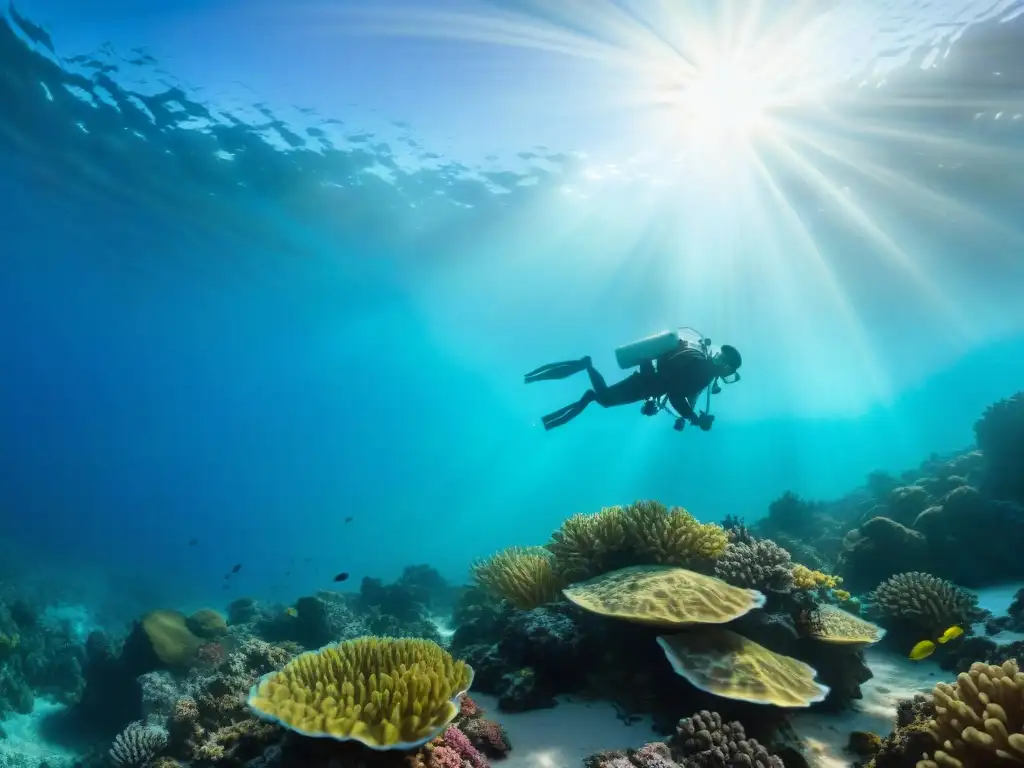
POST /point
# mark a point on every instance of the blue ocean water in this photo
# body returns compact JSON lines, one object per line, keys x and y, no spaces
{"x":271,"y":277}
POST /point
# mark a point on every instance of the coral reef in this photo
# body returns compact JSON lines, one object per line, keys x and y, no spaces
{"x":385,"y":693}
{"x":525,"y":658}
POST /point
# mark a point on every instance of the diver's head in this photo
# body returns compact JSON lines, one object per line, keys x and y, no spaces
{"x":727,"y":360}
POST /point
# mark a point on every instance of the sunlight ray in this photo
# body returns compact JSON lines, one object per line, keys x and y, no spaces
{"x":498,"y":29}
{"x":908,"y":191}
{"x":945,"y":145}
{"x":824,"y":271}
{"x":865,"y":224}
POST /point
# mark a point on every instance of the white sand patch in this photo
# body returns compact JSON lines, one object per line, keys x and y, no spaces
{"x":23,"y":737}
{"x":896,"y":679}
{"x":562,"y":737}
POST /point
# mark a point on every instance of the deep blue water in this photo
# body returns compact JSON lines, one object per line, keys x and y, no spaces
{"x":335,"y":321}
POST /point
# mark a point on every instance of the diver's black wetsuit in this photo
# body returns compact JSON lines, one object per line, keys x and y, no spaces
{"x":682,"y":375}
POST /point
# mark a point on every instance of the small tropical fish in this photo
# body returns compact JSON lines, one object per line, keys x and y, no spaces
{"x":237,"y":568}
{"x":291,"y":611}
{"x":193,"y":542}
{"x":926,"y":648}
{"x":950,"y":634}
{"x":349,"y":519}
{"x":341,"y":577}
{"x":922,"y":650}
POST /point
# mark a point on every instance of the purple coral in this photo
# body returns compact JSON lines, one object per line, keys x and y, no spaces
{"x":486,"y":735}
{"x":455,"y":739}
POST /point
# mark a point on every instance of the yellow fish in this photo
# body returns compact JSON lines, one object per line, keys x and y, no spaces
{"x":922,"y":650}
{"x":291,"y":611}
{"x":950,"y":634}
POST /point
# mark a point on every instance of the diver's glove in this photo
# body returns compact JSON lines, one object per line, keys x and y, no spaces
{"x":680,"y":423}
{"x":705,"y":420}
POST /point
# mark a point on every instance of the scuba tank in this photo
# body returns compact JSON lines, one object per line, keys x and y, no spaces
{"x":652,"y":347}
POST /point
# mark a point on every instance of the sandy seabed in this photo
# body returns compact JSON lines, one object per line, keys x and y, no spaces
{"x":562,"y":737}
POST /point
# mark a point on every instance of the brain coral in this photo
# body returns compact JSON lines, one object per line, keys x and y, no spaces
{"x":385,"y":693}
{"x":979,"y":720}
{"x":726,"y":664}
{"x":705,"y":740}
{"x":663,"y":595}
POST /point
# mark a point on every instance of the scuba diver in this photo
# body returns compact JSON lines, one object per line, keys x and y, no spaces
{"x":673,"y":370}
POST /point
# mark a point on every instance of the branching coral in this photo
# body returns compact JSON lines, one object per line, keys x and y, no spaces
{"x":762,"y":565}
{"x":525,"y":576}
{"x":663,"y":536}
{"x":929,"y":604}
{"x":643,"y":533}
{"x":979,"y":720}
{"x":805,"y":578}
{"x":584,"y":545}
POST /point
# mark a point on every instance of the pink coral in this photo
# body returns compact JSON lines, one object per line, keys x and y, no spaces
{"x":469,"y":708}
{"x":444,"y":757}
{"x":457,"y":740}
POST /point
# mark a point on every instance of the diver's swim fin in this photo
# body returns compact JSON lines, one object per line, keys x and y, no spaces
{"x":561,"y":370}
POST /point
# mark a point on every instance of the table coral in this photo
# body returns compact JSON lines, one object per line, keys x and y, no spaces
{"x":664,"y":596}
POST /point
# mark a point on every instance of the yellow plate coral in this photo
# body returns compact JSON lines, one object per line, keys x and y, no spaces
{"x":834,"y":625}
{"x":726,"y":664}
{"x":386,"y":693}
{"x":663,"y":595}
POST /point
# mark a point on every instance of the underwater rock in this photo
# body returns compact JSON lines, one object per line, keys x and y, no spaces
{"x":546,"y":636}
{"x":906,"y":503}
{"x":878,"y":549}
{"x":244,"y":610}
{"x":792,"y":515}
{"x":524,"y":690}
{"x":973,"y":539}
{"x":1000,"y":436}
